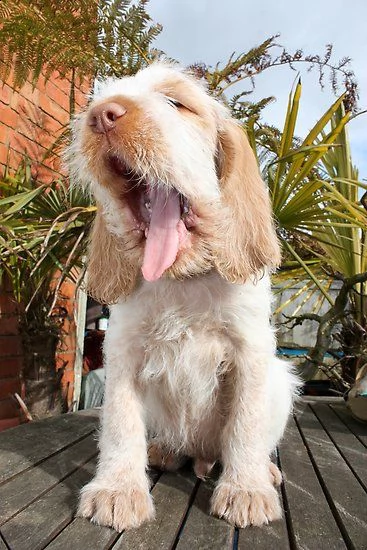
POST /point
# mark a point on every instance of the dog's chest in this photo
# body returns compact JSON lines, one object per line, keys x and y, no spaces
{"x":180,"y":376}
{"x":181,"y":347}
{"x":182,"y":334}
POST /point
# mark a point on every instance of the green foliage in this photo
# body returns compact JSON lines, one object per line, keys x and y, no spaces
{"x":312,"y":206}
{"x":86,"y":38}
{"x":322,"y":225}
{"x":43,"y":234}
{"x":245,"y":67}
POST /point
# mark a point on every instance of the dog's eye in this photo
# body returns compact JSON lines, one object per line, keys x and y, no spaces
{"x":175,"y":103}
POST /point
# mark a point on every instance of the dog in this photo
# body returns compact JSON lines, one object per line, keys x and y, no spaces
{"x":182,"y":247}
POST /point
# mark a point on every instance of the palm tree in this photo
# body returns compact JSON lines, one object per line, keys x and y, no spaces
{"x":43,"y":235}
{"x":321,"y":224}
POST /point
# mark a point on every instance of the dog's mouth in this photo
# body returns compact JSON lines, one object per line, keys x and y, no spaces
{"x":162,"y":214}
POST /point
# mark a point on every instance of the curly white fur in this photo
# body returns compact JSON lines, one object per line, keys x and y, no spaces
{"x":190,"y":357}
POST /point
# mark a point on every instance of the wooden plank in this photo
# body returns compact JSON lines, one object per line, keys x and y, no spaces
{"x":267,"y":537}
{"x":29,"y":444}
{"x":172,"y":496}
{"x":23,"y":489}
{"x":82,"y":533}
{"x":2,"y":544}
{"x":357,"y":427}
{"x":311,"y":520}
{"x":346,"y":497}
{"x":202,"y":530}
{"x":40,"y":522}
{"x":348,"y":445}
{"x":321,"y":399}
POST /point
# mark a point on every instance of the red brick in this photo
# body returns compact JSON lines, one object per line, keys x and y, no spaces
{"x":6,"y":423}
{"x":14,"y":100}
{"x":63,"y":103}
{"x":4,"y":134}
{"x":8,"y":304}
{"x":57,"y":166}
{"x":70,"y":396}
{"x":62,"y":84}
{"x":6,"y":286}
{"x":67,"y":342}
{"x":65,"y":360}
{"x":5,"y":94}
{"x":9,"y":324}
{"x":57,"y":106}
{"x":4,"y":151}
{"x":15,"y":159}
{"x":9,"y":408}
{"x":10,"y":345}
{"x":81,"y":96}
{"x":26,"y":146}
{"x":10,"y":366}
{"x":52,"y":91}
{"x":31,"y":113}
{"x":9,"y":117}
{"x":68,"y":326}
{"x":9,"y":386}
{"x":29,"y":92}
{"x":60,"y":96}
{"x":45,"y":103}
{"x":68,"y":289}
{"x":68,"y":377}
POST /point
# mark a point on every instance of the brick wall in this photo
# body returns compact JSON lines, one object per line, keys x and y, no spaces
{"x":31,"y":118}
{"x":10,"y":360}
{"x":65,"y":355}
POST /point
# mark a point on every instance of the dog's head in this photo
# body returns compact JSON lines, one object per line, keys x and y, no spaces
{"x":176,"y":183}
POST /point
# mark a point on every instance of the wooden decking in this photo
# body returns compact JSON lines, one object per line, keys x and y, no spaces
{"x":323,"y":458}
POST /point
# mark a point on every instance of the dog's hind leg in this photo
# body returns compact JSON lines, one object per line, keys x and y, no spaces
{"x":160,"y":458}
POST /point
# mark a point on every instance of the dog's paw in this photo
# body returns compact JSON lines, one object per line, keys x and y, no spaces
{"x":241,"y":507}
{"x":275,"y":474}
{"x":122,"y":508}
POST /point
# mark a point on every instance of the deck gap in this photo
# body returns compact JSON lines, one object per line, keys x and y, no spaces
{"x":236,"y":534}
{"x":349,"y":427}
{"x":338,"y":520}
{"x":287,"y":510}
{"x":185,"y":515}
{"x":51,"y":487}
{"x":57,"y":532}
{"x":119,"y":535}
{"x":2,"y":538}
{"x":339,"y":450}
{"x":47,"y":457}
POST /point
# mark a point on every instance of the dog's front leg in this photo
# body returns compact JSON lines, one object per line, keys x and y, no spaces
{"x":245,"y":494}
{"x":118,"y":496}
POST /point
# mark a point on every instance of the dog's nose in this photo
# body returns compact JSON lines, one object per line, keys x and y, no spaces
{"x":102,"y":118}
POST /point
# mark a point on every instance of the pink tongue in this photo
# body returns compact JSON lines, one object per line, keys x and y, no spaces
{"x":163,"y":239}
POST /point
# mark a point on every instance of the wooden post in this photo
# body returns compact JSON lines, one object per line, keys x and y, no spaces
{"x":80,"y":329}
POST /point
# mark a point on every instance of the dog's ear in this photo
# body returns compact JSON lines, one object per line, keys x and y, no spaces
{"x":247,"y":240}
{"x":111,"y":274}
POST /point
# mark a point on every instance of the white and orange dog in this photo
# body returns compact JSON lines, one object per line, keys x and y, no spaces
{"x":182,"y":246}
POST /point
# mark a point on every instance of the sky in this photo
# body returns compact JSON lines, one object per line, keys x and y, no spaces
{"x":211,"y":30}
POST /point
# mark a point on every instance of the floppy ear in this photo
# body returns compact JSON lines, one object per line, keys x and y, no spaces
{"x":111,"y":274}
{"x":247,"y":237}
